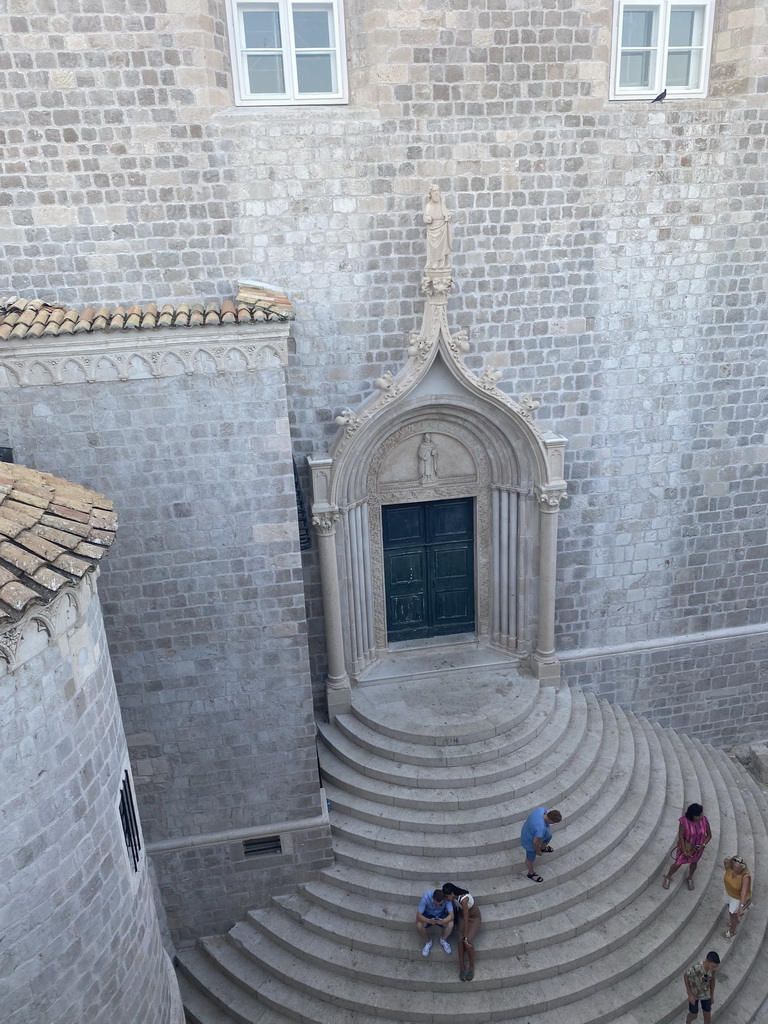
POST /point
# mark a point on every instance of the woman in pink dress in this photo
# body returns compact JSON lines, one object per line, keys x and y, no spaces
{"x":692,"y":837}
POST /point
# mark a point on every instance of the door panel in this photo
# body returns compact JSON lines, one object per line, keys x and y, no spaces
{"x":429,"y":568}
{"x":403,"y":524}
{"x":405,"y":572}
{"x":449,"y":520}
{"x":453,"y":587}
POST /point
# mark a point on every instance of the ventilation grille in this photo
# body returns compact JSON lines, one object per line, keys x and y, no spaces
{"x":258,"y":847}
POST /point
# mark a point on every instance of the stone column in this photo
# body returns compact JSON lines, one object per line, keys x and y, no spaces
{"x":338,"y":688}
{"x":545,"y":664}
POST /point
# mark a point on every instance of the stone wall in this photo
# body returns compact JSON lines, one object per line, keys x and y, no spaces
{"x":713,"y":687}
{"x":81,"y":937}
{"x":204,"y":608}
{"x":609,"y":256}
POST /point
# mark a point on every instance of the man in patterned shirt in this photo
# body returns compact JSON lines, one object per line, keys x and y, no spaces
{"x":700,"y":986}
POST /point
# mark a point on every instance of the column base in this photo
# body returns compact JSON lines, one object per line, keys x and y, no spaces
{"x":546,"y":670}
{"x":339,"y":695}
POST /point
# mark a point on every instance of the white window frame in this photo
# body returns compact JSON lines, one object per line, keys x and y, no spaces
{"x":657,"y":86}
{"x":291,"y":97}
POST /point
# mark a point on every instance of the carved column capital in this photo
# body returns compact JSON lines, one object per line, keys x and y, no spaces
{"x":549,"y":498}
{"x":325,"y":522}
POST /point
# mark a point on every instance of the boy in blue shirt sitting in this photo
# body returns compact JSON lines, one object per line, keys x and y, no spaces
{"x":434,"y":909}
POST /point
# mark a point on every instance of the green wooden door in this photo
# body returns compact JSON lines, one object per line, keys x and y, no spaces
{"x":429,"y":568}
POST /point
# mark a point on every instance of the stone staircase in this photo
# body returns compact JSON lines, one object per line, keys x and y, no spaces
{"x":430,"y":778}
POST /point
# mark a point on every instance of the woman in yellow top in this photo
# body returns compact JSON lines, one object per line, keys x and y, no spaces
{"x":738,"y":890}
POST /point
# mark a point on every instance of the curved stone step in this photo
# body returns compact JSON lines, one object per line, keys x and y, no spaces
{"x":608,"y":780}
{"x":748,"y":968}
{"x":210,"y":997}
{"x":574,"y":718}
{"x":575,"y":755}
{"x":568,"y":861}
{"x":599,"y":942}
{"x":219,"y":968}
{"x":449,"y":999}
{"x":471,"y":832}
{"x":541,"y":715}
{"x":352,"y":801}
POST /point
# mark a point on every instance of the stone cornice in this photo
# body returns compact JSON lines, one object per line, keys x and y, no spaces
{"x":91,"y":358}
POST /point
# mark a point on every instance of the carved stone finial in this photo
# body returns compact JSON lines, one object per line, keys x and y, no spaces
{"x":488,"y":378}
{"x":349,"y":420}
{"x":458,"y":343}
{"x":438,"y":221}
{"x":385,"y":382}
{"x":529,"y":405}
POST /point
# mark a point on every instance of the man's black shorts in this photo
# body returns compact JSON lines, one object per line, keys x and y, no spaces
{"x":706,"y":1005}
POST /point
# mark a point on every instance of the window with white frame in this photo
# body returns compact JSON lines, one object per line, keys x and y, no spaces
{"x":662,"y":45}
{"x":288,"y":51}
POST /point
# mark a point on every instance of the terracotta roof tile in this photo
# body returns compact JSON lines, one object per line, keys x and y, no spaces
{"x":51,"y":534}
{"x":32,"y":318}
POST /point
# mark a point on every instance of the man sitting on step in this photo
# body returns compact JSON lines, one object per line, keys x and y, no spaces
{"x":434,"y":909}
{"x":535,"y":837}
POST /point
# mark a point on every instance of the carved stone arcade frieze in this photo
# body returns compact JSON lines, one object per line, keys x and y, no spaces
{"x":97,"y":358}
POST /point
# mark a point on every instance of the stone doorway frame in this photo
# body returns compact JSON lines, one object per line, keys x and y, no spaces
{"x":514,"y":472}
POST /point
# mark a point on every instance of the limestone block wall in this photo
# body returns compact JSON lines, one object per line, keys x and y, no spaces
{"x":204,"y":609}
{"x":81,"y":938}
{"x":713,"y":687}
{"x":609,"y":257}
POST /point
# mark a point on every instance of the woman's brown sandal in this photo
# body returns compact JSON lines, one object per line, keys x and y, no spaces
{"x":666,"y":882}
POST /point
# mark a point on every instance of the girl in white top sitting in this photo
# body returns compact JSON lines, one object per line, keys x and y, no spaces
{"x":468,"y":922}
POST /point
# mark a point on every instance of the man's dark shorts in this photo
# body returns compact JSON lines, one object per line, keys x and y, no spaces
{"x":706,"y":1005}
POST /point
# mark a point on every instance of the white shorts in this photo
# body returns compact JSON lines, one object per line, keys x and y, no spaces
{"x":733,"y":904}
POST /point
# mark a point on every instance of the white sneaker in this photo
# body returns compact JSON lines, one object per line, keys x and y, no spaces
{"x":425,"y":951}
{"x":446,"y":945}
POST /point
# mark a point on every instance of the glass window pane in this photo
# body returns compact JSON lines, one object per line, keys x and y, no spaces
{"x":686,"y":26}
{"x":262,"y":28}
{"x":312,"y":27}
{"x":265,"y":73}
{"x":315,"y":72}
{"x":639,"y":27}
{"x":637,"y":69}
{"x":684,"y":68}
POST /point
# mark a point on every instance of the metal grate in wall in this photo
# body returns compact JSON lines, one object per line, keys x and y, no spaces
{"x":305,"y":534}
{"x":129,"y":821}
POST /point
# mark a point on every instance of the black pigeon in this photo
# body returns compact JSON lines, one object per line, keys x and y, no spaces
{"x":660,"y":97}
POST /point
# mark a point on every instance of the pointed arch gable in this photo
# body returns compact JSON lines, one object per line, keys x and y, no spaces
{"x":435,"y":431}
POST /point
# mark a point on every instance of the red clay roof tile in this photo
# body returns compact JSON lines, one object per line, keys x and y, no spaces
{"x":24,"y":318}
{"x":42,"y":519}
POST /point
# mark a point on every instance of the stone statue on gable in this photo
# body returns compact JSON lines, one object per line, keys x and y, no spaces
{"x":438,"y":221}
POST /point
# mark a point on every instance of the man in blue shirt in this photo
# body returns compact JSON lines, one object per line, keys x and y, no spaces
{"x":535,"y":837}
{"x":434,"y":909}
